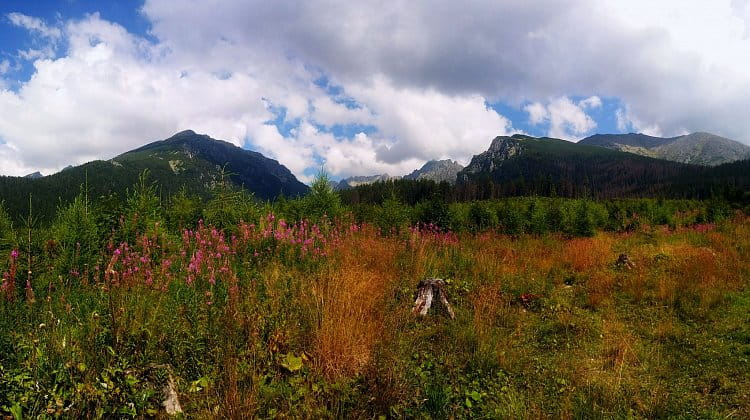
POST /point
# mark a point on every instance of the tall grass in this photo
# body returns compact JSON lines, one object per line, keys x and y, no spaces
{"x":273,"y":318}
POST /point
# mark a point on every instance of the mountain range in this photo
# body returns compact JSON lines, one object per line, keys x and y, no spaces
{"x":696,"y":148}
{"x":356,"y":181}
{"x":525,"y":165}
{"x":434,"y":170}
{"x":703,"y":149}
{"x":547,"y":166}
{"x":695,"y":165}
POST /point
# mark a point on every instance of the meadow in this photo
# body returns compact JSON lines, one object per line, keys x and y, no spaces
{"x":253,"y":310}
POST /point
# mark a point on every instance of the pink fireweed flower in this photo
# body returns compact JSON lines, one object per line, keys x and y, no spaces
{"x":14,"y":254}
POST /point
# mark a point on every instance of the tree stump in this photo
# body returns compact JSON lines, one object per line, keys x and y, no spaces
{"x":171,"y":402}
{"x":427,"y":289}
{"x":623,"y":261}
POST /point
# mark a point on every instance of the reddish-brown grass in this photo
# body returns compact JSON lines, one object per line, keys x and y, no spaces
{"x":348,"y":303}
{"x":600,"y":287}
{"x":587,"y":253}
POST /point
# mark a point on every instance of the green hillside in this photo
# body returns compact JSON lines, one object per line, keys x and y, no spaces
{"x":186,"y":160}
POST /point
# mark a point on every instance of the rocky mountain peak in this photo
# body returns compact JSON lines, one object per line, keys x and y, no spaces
{"x":437,"y":170}
{"x":34,"y":175}
{"x":698,"y":148}
{"x":501,"y":149}
{"x":354,"y":181}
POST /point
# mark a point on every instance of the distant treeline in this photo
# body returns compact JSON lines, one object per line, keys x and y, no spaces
{"x":728,"y":182}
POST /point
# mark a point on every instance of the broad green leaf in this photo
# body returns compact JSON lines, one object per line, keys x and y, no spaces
{"x":292,"y":362}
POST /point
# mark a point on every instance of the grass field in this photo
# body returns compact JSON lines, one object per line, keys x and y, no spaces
{"x":277,"y":320}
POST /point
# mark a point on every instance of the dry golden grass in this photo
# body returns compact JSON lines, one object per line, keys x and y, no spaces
{"x":349,"y":304}
{"x":494,"y":257}
{"x":359,"y":324}
{"x":599,"y":287}
{"x":491,"y":310}
{"x":588,"y":253}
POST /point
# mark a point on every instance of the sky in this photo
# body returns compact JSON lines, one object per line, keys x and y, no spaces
{"x":362,"y":87}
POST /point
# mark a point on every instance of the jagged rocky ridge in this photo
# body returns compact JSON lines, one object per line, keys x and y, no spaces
{"x":438,"y":171}
{"x":434,"y":170}
{"x":355,"y":181}
{"x":501,"y":149}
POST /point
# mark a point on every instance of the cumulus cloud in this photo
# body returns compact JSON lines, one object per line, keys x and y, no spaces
{"x":418,"y":74}
{"x":427,"y":124}
{"x":642,"y":53}
{"x":328,"y":112}
{"x":566,"y":119}
{"x":112,"y":92}
{"x":626,"y":121}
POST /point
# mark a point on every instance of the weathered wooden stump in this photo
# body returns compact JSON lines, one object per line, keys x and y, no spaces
{"x":623,"y":261}
{"x":427,"y":289}
{"x":171,"y":402}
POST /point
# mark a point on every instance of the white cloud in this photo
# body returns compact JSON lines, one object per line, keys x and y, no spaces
{"x":32,"y":54}
{"x":427,"y":124}
{"x":537,"y":113}
{"x":623,"y":124}
{"x":566,"y":119}
{"x":591,"y":102}
{"x":329,"y":113}
{"x":34,"y":25}
{"x":626,"y":121}
{"x":113,"y":92}
{"x":677,"y":64}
